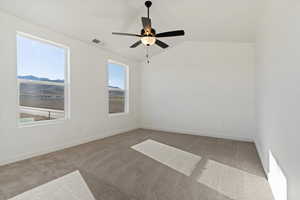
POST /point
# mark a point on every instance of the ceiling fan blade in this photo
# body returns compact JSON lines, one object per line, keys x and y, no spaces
{"x":127,"y":34}
{"x":171,"y":34}
{"x":146,"y":22}
{"x":161,"y":44}
{"x":136,"y":44}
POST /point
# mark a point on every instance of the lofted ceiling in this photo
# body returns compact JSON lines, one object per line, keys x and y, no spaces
{"x":202,"y":20}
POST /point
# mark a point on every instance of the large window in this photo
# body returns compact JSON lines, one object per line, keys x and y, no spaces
{"x":117,"y":87}
{"x":42,"y":80}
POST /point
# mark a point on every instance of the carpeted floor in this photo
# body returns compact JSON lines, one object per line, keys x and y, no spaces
{"x":122,"y":168}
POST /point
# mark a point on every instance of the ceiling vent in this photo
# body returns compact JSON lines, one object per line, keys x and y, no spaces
{"x":96,"y":41}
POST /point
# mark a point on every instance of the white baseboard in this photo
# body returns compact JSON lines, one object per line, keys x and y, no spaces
{"x":261,"y":157}
{"x":64,"y":146}
{"x":115,"y":132}
{"x":199,"y":133}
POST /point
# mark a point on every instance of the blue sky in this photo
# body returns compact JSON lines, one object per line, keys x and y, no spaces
{"x":116,"y":74}
{"x":48,"y":61}
{"x":40,"y":59}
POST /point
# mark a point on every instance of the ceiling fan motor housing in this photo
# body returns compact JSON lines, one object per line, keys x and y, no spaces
{"x":148,"y":32}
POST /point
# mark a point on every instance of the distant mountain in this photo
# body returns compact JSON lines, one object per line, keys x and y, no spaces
{"x":34,"y":78}
{"x":113,"y":87}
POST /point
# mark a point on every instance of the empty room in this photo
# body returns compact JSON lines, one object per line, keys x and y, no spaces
{"x":149,"y":100}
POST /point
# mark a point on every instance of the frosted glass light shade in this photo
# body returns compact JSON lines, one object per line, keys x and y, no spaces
{"x":148,"y":40}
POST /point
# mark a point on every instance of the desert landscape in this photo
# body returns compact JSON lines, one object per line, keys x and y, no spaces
{"x":40,"y":101}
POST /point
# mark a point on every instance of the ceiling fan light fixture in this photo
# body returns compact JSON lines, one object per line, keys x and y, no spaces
{"x":148,"y":34}
{"x":148,"y":40}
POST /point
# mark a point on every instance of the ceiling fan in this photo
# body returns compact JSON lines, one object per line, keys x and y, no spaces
{"x":148,"y":35}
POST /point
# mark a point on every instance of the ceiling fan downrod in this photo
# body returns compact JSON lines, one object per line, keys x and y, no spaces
{"x":148,"y":4}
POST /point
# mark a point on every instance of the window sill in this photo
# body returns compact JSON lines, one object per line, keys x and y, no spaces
{"x":118,"y":114}
{"x":41,"y":123}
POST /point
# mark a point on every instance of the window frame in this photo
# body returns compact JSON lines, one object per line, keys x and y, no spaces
{"x":126,"y":88}
{"x":66,"y":83}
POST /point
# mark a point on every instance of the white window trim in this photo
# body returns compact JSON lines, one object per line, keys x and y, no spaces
{"x":126,"y":88}
{"x":66,"y":84}
{"x":40,"y":82}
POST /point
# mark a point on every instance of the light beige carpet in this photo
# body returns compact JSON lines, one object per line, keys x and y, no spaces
{"x":145,"y":165}
{"x":68,"y":187}
{"x":177,"y":159}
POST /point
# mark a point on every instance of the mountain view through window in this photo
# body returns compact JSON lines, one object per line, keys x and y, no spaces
{"x":117,"y":88}
{"x":41,"y":77}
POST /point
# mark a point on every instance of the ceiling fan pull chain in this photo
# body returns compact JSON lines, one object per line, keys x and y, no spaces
{"x":147,"y":55}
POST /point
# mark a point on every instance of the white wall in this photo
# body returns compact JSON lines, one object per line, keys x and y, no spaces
{"x":201,"y":88}
{"x":89,"y":119}
{"x":278,"y":73}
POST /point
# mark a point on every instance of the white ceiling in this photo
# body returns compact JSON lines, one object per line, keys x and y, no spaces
{"x":202,"y":20}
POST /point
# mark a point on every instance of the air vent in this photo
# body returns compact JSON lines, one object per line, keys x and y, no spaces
{"x":96,"y":41}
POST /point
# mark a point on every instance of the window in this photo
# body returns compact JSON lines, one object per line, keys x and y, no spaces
{"x":42,"y":83}
{"x":117,"y":87}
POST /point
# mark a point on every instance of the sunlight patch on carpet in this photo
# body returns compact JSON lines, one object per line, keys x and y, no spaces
{"x":69,"y":187}
{"x":232,"y":182}
{"x":177,"y":159}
